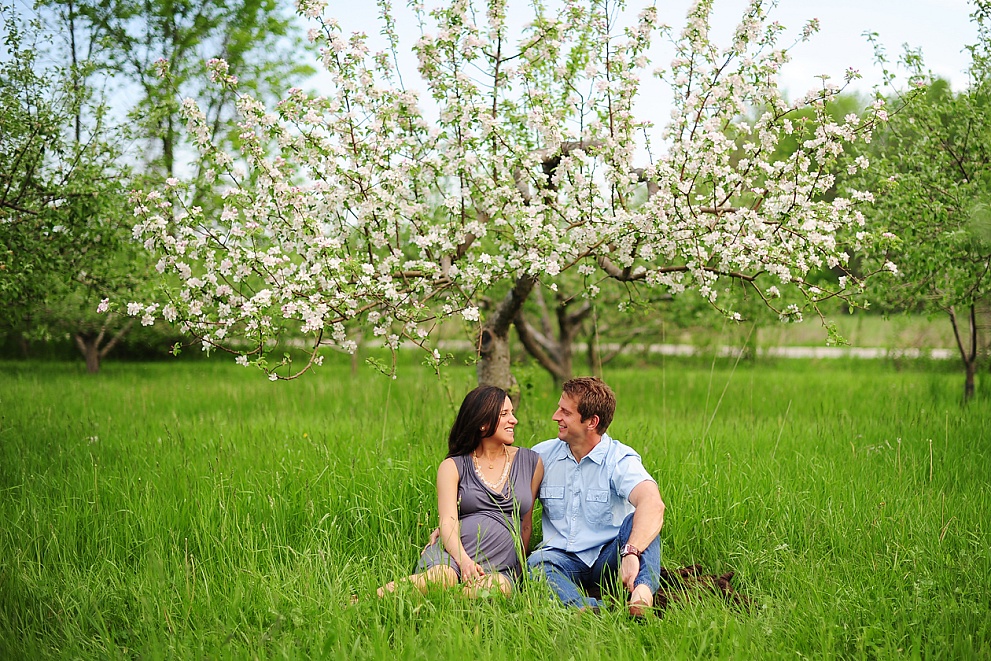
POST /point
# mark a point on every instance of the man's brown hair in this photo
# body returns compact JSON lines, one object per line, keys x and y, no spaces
{"x":593,"y":397}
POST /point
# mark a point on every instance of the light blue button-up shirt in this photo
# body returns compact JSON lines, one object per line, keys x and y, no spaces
{"x":585,"y":502}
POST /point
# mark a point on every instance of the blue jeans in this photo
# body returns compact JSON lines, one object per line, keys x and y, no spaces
{"x":568,"y":575}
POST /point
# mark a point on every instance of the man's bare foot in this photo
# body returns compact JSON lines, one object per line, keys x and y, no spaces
{"x":641,"y":600}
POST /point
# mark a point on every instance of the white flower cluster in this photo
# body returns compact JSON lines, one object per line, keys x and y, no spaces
{"x":354,"y":211}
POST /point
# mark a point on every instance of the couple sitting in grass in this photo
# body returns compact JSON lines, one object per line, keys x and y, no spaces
{"x":602,"y":512}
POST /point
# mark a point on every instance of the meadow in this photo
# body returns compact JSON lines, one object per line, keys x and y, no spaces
{"x":193,"y":509}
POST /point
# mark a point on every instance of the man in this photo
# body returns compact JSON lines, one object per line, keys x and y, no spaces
{"x":602,"y":511}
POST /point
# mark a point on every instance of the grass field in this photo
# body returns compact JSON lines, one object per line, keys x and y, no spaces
{"x":196,"y":510}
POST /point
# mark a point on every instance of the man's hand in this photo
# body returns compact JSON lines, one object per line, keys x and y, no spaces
{"x":628,"y":570}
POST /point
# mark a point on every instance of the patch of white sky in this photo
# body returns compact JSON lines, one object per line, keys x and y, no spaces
{"x":940,"y":28}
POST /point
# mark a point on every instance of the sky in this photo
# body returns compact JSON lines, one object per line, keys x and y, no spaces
{"x":941,"y":28}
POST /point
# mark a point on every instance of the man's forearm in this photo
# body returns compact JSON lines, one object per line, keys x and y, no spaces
{"x":648,"y":518}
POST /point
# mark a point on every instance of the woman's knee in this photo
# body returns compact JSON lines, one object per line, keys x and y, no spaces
{"x":504,"y":584}
{"x":492,"y":582}
{"x":442,"y":574}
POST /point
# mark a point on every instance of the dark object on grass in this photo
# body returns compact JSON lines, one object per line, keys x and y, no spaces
{"x":690,"y":583}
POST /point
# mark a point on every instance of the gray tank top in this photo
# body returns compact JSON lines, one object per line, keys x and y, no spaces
{"x":490,"y":521}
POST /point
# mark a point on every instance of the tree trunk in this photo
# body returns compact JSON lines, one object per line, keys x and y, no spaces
{"x":564,"y":356}
{"x":90,"y":347}
{"x":594,"y":359}
{"x":22,"y":342}
{"x":493,"y":368}
{"x":968,"y":384}
{"x":569,"y":325}
{"x":967,"y":347}
{"x":984,"y":331}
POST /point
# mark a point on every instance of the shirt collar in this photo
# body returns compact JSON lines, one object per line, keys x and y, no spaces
{"x":597,"y":455}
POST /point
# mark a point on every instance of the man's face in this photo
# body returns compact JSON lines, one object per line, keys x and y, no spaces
{"x":570,"y":427}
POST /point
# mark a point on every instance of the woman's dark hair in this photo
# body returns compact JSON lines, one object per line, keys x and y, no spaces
{"x":480,"y":409}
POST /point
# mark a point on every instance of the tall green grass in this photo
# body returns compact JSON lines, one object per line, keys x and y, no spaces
{"x":185,"y":510}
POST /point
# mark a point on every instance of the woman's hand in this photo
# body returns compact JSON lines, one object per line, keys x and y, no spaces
{"x":434,"y":536}
{"x":471,"y":572}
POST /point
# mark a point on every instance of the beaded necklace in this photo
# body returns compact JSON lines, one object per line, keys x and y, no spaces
{"x":497,"y":487}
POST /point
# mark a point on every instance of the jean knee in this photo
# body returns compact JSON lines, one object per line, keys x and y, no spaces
{"x":551,"y":564}
{"x":539,"y":563}
{"x":626,"y":527}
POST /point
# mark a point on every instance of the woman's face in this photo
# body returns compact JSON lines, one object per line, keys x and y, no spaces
{"x":503,"y":432}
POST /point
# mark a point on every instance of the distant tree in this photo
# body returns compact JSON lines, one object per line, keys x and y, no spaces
{"x":932,"y":163}
{"x":549,"y":330}
{"x":112,"y":48}
{"x":64,"y":235}
{"x":357,"y":205}
{"x":555,"y":327}
{"x":130,"y":40}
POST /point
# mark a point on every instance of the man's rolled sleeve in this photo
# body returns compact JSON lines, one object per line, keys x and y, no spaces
{"x":629,"y":473}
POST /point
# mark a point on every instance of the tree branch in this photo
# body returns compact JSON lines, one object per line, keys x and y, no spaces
{"x":511,"y":304}
{"x":630,"y":274}
{"x":116,"y":338}
{"x":535,"y":344}
{"x":623,"y":275}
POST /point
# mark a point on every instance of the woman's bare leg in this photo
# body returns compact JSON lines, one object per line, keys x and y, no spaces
{"x":488,"y":583}
{"x":440,"y":575}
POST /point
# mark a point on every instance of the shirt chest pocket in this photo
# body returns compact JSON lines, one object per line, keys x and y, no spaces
{"x":552,"y":500}
{"x":598,"y":509}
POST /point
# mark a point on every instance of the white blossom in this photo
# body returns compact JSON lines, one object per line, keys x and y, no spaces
{"x":360,"y":213}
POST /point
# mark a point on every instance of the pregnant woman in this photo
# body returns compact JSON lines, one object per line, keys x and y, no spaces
{"x":486,"y":489}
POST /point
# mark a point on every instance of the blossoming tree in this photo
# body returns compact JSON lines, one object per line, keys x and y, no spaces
{"x":372,"y":209}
